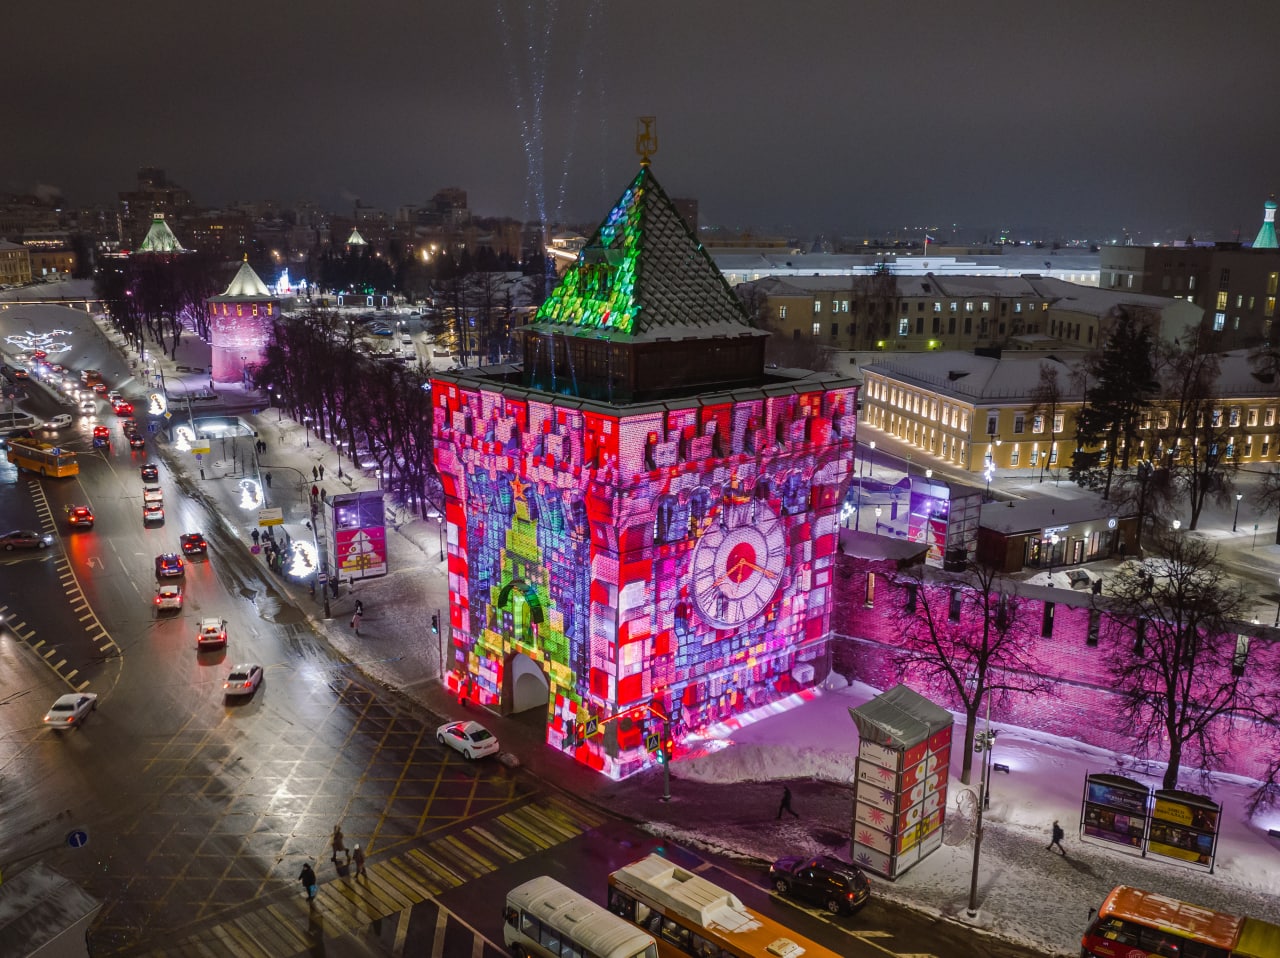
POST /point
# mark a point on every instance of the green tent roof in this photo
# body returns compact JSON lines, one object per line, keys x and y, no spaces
{"x":1267,"y":235}
{"x":643,"y":275}
{"x":160,"y":238}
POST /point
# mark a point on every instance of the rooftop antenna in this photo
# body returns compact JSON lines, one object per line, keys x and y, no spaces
{"x":646,"y":138}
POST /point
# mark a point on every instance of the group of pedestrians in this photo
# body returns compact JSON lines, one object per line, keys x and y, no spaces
{"x":351,"y":857}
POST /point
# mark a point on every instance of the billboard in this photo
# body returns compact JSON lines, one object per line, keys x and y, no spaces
{"x":1115,"y":809}
{"x":359,"y":525}
{"x":1184,"y":827}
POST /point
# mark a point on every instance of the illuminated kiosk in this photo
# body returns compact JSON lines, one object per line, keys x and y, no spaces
{"x":240,"y":325}
{"x":641,"y":518}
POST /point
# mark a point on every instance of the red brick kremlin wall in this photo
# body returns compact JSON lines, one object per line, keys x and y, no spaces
{"x":1083,"y":706}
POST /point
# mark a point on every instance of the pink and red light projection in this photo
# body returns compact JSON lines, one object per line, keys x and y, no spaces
{"x":239,"y":334}
{"x":668,"y":564}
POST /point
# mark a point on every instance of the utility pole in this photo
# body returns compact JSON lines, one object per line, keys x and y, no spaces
{"x":982,"y":742}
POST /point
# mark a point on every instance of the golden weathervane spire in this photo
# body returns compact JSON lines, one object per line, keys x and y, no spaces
{"x":646,"y":138}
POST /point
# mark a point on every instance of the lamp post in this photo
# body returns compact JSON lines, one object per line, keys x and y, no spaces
{"x":440,"y":531}
{"x":982,"y":742}
{"x":279,"y":410}
{"x":1236,"y":519}
{"x":872,"y":459}
{"x":1177,"y":524}
{"x":879,"y":511}
{"x":988,"y":471}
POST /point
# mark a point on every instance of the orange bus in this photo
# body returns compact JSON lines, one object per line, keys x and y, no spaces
{"x":42,"y":458}
{"x":688,"y":915}
{"x":1135,"y":922}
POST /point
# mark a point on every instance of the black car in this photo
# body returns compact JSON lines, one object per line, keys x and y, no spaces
{"x":150,"y":473}
{"x":136,"y":441}
{"x":823,"y":881}
{"x":193,"y":543}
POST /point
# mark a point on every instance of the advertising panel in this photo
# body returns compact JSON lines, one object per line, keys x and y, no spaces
{"x":1184,"y":826}
{"x":1115,"y":809}
{"x":359,"y":535}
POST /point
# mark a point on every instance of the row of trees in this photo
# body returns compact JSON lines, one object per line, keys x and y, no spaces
{"x":371,"y":408}
{"x":1170,"y":631}
{"x":1153,"y":431}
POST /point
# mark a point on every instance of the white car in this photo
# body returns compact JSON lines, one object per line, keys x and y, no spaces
{"x":243,"y":679}
{"x":212,"y":634}
{"x":168,"y":596}
{"x":60,"y":421}
{"x":70,"y":709}
{"x":152,"y":494}
{"x":472,"y":739}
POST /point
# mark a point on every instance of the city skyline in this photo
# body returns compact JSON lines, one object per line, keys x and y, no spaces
{"x":999,"y":116}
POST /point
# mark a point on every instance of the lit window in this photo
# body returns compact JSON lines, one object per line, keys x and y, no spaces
{"x":817,"y":305}
{"x":817,"y":329}
{"x":1219,"y":321}
{"x":904,"y":326}
{"x":1233,"y":417}
{"x":782,"y":312}
{"x":937,"y":307}
{"x":968,"y":306}
{"x":1017,"y":307}
{"x":986,"y":306}
{"x":1222,"y":299}
{"x":1057,"y":423}
{"x":1014,"y":455}
{"x":1252,"y":418}
{"x":954,"y":306}
{"x":1269,"y":417}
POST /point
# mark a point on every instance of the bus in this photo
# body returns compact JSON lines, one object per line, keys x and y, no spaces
{"x":549,"y":920}
{"x":40,"y":457}
{"x":1131,"y":920}
{"x":691,"y":916}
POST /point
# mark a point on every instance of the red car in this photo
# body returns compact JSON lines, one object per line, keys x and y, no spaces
{"x":101,"y":432}
{"x":123,"y":408}
{"x":81,"y":517}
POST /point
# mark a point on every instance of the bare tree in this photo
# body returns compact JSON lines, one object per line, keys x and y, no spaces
{"x":1173,"y":623}
{"x":1268,"y":497}
{"x":1195,"y":446}
{"x":966,"y":636}
{"x":1048,"y":396}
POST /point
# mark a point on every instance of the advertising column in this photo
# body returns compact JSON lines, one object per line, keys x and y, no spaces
{"x":359,"y":535}
{"x":900,"y":797}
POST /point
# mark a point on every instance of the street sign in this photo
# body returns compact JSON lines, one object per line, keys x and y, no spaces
{"x":651,"y":742}
{"x":322,"y":577}
{"x":253,"y":412}
{"x":167,"y":414}
{"x":592,"y":725}
{"x":152,"y":427}
{"x":198,"y":457}
{"x":77,"y":838}
{"x":270,"y":517}
{"x":200,"y":448}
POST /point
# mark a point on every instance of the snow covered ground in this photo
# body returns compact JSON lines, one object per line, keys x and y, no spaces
{"x":1026,"y":893}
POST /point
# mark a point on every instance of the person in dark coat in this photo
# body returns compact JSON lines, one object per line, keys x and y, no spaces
{"x":786,"y":803}
{"x":339,"y":845}
{"x":308,"y":879}
{"x":357,"y":859}
{"x":1058,"y":836}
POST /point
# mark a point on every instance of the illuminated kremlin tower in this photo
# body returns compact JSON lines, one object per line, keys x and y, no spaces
{"x":642,"y":518}
{"x":240,"y":326}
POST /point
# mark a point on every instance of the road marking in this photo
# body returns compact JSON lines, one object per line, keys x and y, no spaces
{"x":437,"y":943}
{"x":402,"y":932}
{"x":95,"y":562}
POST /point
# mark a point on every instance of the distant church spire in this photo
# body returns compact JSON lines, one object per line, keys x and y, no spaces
{"x":1267,"y":235}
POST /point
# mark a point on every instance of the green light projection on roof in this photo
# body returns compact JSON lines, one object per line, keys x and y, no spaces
{"x":599,"y":291}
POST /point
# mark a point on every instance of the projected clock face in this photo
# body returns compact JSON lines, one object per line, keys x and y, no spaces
{"x":737,"y":568}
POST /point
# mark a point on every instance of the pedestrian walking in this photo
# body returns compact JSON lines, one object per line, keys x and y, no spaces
{"x":308,"y":879}
{"x":464,"y":691}
{"x":359,"y":607}
{"x":786,"y":803}
{"x":1058,"y":836}
{"x":339,"y":846}
{"x":266,"y":477}
{"x":324,"y":496}
{"x":322,"y":470}
{"x":315,"y":491}
{"x":355,"y":622}
{"x":256,"y":536}
{"x":357,"y":858}
{"x":315,"y":474}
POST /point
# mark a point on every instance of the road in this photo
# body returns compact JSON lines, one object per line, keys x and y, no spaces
{"x":200,"y":811}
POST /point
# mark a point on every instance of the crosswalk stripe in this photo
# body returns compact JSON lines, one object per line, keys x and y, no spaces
{"x":405,"y":879}
{"x":565,"y":830}
{"x":402,"y":934}
{"x":471,"y":864}
{"x":245,"y":941}
{"x":539,"y":840}
{"x":289,"y":930}
{"x":506,"y":851}
{"x":437,"y":873}
{"x":386,"y":891}
{"x":442,"y":925}
{"x":376,"y":893}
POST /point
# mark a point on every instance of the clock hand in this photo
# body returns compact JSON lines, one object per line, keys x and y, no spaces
{"x":761,"y":569}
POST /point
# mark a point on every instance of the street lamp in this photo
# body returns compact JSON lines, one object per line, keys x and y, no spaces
{"x":1177,"y":524}
{"x":982,"y":742}
{"x":872,"y":459}
{"x":988,"y":471}
{"x":879,"y":511}
{"x":1236,"y":519}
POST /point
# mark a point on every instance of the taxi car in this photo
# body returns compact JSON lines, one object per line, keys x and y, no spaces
{"x":80,"y":517}
{"x":212,"y":634}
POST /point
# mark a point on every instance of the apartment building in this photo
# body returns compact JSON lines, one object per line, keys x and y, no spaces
{"x":973,"y":411}
{"x":887,"y":312}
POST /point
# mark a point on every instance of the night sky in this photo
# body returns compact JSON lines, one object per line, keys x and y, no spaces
{"x":834,"y":116}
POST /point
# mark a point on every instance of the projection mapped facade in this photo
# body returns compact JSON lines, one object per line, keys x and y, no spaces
{"x":638,"y":552}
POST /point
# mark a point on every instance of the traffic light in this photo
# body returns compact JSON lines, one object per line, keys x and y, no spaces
{"x":435,"y":625}
{"x":666,"y":750}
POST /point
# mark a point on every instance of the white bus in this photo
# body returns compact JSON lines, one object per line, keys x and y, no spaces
{"x":550,"y":920}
